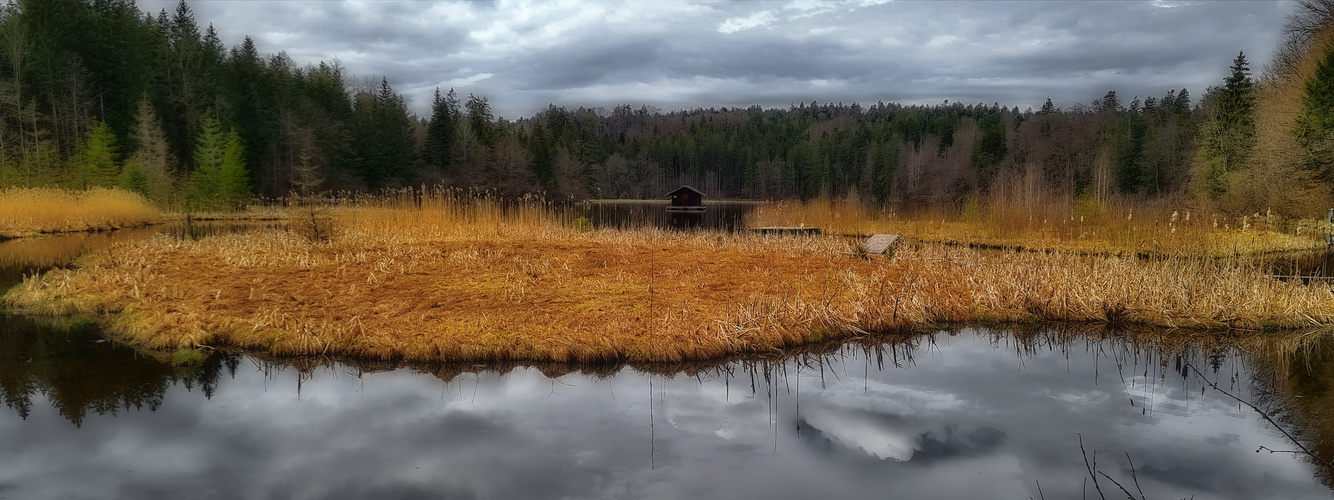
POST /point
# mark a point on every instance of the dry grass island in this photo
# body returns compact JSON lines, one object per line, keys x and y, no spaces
{"x":438,"y":276}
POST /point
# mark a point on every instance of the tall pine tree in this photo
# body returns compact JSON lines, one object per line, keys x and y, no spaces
{"x":220,"y":180}
{"x":438,"y":150}
{"x":1229,"y":131}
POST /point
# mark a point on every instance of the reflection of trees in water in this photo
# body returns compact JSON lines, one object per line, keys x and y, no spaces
{"x":1299,"y":391}
{"x":1157,"y":355}
{"x":23,"y":256}
{"x":82,"y":375}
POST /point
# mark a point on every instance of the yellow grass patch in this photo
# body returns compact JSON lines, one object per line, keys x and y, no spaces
{"x":26,"y":211}
{"x":1081,"y":226}
{"x":478,"y":281}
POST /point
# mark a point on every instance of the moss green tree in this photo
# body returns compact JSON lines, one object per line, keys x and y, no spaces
{"x":210,"y":145}
{"x":220,"y":180}
{"x":95,"y":163}
{"x":234,"y":179}
{"x":132,"y":179}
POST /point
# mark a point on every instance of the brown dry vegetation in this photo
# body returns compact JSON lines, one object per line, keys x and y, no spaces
{"x":1278,"y":172}
{"x":1117,"y":226}
{"x":459,"y":280}
{"x":27,"y":211}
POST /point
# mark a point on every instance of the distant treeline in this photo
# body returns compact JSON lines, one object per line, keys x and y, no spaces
{"x":97,"y":93}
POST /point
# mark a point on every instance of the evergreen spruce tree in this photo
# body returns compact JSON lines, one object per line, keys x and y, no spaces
{"x":1047,"y":108}
{"x":383,"y":137}
{"x":1109,"y":102}
{"x":1237,"y":99}
{"x":437,"y":151}
{"x":95,"y":163}
{"x":233,"y":179}
{"x":479,"y":118}
{"x":544,"y":157}
{"x":1228,"y":132}
{"x":220,"y":180}
{"x":989,"y":147}
{"x":132,"y":179}
{"x":206,"y":181}
{"x":1129,"y":137}
{"x":1315,"y":123}
{"x":1183,"y":103}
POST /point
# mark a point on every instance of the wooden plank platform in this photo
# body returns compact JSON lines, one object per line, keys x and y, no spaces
{"x":879,"y":243}
{"x":1305,"y":279}
{"x":686,"y":209}
{"x":786,"y":230}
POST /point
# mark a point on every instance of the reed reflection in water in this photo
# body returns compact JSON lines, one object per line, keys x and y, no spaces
{"x":965,"y":415}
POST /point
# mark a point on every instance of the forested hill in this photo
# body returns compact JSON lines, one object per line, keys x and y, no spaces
{"x":96,"y":92}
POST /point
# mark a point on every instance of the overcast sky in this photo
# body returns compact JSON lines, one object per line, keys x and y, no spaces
{"x":683,"y":54}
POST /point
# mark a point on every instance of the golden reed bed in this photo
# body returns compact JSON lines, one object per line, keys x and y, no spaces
{"x":28,"y":211}
{"x":478,"y":282}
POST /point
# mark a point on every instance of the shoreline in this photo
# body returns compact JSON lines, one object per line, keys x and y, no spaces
{"x":1282,"y":343}
{"x":92,"y":230}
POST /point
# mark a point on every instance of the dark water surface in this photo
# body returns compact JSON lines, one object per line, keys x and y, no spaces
{"x":720,"y":215}
{"x":968,"y":415}
{"x":1308,"y":266}
{"x":23,"y":256}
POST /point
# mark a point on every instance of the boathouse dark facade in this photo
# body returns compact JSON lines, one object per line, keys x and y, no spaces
{"x":686,"y":198}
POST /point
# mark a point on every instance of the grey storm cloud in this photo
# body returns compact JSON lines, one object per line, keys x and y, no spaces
{"x":591,"y":65}
{"x":524,"y":55}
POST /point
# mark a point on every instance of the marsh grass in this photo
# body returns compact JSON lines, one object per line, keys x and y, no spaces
{"x":438,"y":275}
{"x":1118,"y":226}
{"x":27,"y":211}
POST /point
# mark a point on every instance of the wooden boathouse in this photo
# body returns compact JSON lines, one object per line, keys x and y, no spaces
{"x":686,"y":199}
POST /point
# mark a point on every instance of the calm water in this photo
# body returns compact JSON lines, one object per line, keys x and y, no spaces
{"x":27,"y":255}
{"x":968,"y":415}
{"x":725,"y":215}
{"x":1310,"y":265}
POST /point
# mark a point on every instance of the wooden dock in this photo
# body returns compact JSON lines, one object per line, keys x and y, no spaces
{"x":802,"y":231}
{"x":699,"y":209}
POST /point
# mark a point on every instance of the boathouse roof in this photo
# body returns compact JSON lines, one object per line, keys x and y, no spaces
{"x":685,"y":190}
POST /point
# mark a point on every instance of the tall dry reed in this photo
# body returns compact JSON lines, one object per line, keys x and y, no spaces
{"x":25,"y":211}
{"x":1114,"y":226}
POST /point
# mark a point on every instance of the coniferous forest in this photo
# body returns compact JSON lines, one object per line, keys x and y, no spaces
{"x":99,"y":93}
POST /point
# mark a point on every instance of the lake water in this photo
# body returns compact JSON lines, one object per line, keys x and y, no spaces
{"x":970,"y":414}
{"x":1307,"y":266}
{"x":721,"y":215}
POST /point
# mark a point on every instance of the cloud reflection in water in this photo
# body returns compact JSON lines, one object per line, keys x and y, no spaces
{"x":964,"y":417}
